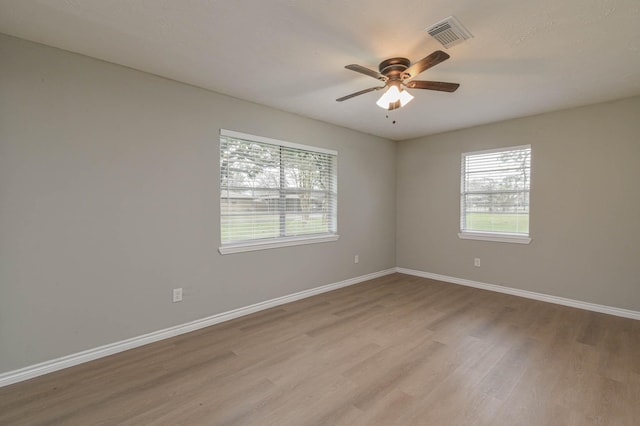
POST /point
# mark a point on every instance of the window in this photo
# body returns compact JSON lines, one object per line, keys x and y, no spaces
{"x":274,"y":193}
{"x":494,"y":198}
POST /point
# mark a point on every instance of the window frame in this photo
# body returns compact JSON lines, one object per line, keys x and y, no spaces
{"x":495,"y":236}
{"x":281,"y":241}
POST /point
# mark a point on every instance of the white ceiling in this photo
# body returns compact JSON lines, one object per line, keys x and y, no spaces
{"x":526,"y":57}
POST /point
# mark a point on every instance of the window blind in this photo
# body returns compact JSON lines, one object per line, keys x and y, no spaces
{"x":495,"y":191}
{"x":273,"y":190}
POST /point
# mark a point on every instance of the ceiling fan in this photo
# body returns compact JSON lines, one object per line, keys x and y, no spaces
{"x":396,"y":73}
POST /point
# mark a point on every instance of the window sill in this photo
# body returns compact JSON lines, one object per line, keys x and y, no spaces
{"x":271,"y":244}
{"x":499,"y":238}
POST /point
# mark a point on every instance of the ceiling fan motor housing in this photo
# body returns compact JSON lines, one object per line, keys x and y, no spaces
{"x":394,"y":67}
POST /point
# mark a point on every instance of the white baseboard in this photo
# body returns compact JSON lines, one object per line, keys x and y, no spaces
{"x":626,"y":313}
{"x":36,"y":370}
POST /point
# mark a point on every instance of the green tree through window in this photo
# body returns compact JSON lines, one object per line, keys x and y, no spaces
{"x":273,"y":190}
{"x":495,"y":191}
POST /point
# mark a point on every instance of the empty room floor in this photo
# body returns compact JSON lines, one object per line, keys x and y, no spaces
{"x":394,"y":350}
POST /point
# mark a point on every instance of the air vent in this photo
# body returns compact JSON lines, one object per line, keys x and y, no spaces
{"x":449,"y":32}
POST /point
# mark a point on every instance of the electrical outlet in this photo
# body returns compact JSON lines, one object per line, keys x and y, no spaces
{"x":177,"y":294}
{"x":476,"y":262}
{"x":356,"y":259}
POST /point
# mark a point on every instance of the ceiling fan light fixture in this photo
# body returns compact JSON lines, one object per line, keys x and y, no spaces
{"x":405,"y":97}
{"x":393,"y":95}
{"x":382,"y":102}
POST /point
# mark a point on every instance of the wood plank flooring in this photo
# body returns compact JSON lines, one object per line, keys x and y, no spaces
{"x":397,"y":350}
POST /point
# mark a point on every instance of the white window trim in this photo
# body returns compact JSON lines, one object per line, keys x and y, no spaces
{"x":271,"y":243}
{"x":498,"y":237}
{"x":495,"y":237}
{"x":492,"y":150}
{"x":246,"y":136}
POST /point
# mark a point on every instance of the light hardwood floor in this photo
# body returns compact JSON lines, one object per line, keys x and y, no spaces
{"x":395,"y":350}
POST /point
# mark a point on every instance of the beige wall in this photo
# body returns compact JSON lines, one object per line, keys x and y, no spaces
{"x":109,"y":199}
{"x":585,"y":205}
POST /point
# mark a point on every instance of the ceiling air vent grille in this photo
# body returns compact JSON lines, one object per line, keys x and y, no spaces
{"x":449,"y":32}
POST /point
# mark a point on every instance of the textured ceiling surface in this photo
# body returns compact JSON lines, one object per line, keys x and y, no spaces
{"x":526,"y":57}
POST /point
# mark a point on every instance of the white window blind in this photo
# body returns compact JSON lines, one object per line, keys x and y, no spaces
{"x":275,"y":192}
{"x":495,"y":187}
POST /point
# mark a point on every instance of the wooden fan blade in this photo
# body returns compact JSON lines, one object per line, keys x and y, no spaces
{"x":366,"y":71}
{"x":361,"y":92}
{"x":424,"y":64}
{"x":433,"y":85}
